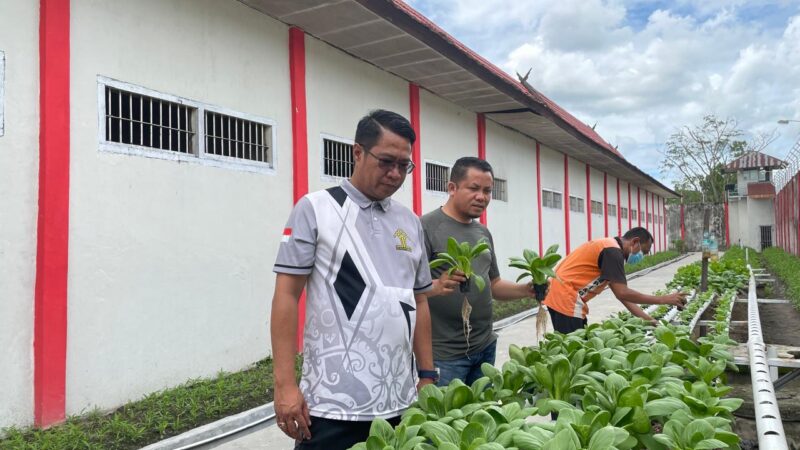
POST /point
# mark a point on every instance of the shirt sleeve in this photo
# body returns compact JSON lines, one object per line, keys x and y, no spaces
{"x":494,"y":271}
{"x":612,"y":265}
{"x":297,"y":251}
{"x":422,"y":282}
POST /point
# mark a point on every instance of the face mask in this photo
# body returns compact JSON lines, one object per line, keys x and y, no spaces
{"x":634,"y":258}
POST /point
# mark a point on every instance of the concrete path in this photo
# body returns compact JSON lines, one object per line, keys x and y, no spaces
{"x":521,"y":334}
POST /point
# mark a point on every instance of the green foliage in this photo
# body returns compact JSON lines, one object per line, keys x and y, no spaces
{"x":786,"y":267}
{"x":539,"y":269}
{"x":459,"y":256}
{"x":156,"y":416}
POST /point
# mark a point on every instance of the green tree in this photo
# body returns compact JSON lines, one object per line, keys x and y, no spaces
{"x":698,"y":155}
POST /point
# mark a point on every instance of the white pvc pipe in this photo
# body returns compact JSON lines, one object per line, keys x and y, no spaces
{"x":768,"y":417}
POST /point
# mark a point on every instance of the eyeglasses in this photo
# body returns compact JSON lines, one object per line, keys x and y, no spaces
{"x":388,"y":164}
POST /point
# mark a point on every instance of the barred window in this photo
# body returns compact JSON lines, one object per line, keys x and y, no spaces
{"x":576,"y":204}
{"x":649,"y":217}
{"x":660,"y":219}
{"x":239,"y":138}
{"x":641,"y":216}
{"x":612,"y":210}
{"x":624,"y":213}
{"x":551,"y":199}
{"x":337,"y":158}
{"x":436,"y":177}
{"x":634,"y":214}
{"x":137,"y":119}
{"x":597,"y":207}
{"x":500,"y":191}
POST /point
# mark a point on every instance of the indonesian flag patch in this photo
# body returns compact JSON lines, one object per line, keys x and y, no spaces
{"x":287,"y":233}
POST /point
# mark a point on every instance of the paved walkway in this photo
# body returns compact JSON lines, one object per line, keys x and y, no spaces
{"x":522,"y":334}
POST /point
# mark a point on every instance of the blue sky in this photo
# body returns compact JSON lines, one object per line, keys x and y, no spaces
{"x":641,"y":69}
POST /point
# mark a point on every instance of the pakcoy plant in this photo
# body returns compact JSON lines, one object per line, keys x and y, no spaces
{"x":459,"y":256}
{"x":538,"y":268}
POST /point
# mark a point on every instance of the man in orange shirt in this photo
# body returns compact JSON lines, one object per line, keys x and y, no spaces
{"x":592,"y":267}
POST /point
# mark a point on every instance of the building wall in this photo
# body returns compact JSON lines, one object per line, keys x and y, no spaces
{"x":514,"y":223}
{"x":448,"y":133}
{"x":552,"y":173}
{"x":335,"y":104}
{"x":598,"y":221}
{"x":759,"y":213}
{"x":170,"y":262}
{"x":577,"y":188}
{"x":19,"y":173}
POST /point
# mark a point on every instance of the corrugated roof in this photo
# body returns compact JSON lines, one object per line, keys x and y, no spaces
{"x":754,"y":160}
{"x":398,"y":39}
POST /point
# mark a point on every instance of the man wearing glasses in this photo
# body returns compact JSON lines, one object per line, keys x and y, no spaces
{"x":367,"y":335}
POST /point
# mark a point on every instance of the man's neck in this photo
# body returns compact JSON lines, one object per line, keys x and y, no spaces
{"x":453,"y":214}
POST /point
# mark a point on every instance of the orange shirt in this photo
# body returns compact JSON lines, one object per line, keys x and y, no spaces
{"x":579,"y":277}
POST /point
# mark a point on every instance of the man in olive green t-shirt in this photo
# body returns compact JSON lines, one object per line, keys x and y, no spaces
{"x":470,"y":190}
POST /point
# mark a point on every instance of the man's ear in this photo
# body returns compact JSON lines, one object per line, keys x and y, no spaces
{"x":358,"y":152}
{"x":451,"y":187}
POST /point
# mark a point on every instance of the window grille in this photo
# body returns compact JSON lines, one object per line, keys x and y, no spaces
{"x":612,"y":210}
{"x":597,"y":207}
{"x":649,"y":217}
{"x":551,"y":199}
{"x":337,"y":158}
{"x":576,"y":204}
{"x":436,"y":177}
{"x":641,"y":216}
{"x":137,"y":119}
{"x":624,"y":214}
{"x":500,"y":191}
{"x":634,"y":214}
{"x":238,"y":138}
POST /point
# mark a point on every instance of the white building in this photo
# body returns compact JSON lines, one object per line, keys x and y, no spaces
{"x":750,"y":211}
{"x":150,"y":153}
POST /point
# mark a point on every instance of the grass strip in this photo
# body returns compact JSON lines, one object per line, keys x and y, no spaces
{"x":155,"y":417}
{"x":786,"y":267}
{"x":651,"y":260}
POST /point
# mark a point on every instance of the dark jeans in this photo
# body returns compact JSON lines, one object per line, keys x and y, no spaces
{"x":565,"y":324}
{"x":468,"y":368}
{"x":330,"y":434}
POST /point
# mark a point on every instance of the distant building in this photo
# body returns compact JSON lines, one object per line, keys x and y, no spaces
{"x":751,"y":214}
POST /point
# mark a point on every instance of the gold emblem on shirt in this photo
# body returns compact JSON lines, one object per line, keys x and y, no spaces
{"x":403,"y":237}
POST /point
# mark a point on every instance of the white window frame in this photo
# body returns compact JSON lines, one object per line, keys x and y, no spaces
{"x":425,"y":177}
{"x":623,"y":213}
{"x":601,"y":208}
{"x":330,"y":137}
{"x":579,"y":198}
{"x":2,"y":91}
{"x":554,"y":192}
{"x":505,"y":191}
{"x":611,"y":210}
{"x":198,"y":154}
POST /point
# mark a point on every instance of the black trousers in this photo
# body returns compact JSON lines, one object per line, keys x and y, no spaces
{"x":329,"y":434}
{"x":566,"y":324}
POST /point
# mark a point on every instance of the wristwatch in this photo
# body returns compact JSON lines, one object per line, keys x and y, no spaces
{"x":430,"y":374}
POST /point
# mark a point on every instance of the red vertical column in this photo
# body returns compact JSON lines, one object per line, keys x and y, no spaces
{"x":630,"y":211}
{"x":482,"y":148}
{"x":664,"y":227}
{"x":566,"y":202}
{"x":619,"y":211}
{"x":297,"y":91}
{"x":683,"y":227}
{"x":588,"y":203}
{"x":52,"y":239}
{"x":639,"y":206}
{"x":727,"y":227}
{"x":539,"y":195}
{"x":416,"y":176}
{"x":797,"y":203}
{"x":605,"y":203}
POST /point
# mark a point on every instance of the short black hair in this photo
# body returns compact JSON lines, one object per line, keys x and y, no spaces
{"x":370,"y":127}
{"x":463,"y":164}
{"x":639,"y":232}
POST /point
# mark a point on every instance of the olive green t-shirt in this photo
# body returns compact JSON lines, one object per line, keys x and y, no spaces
{"x":447,"y":328}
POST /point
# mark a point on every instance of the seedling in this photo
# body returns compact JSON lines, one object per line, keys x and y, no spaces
{"x":539,"y":269}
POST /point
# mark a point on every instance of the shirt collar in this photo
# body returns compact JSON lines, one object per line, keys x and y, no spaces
{"x":362,"y":200}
